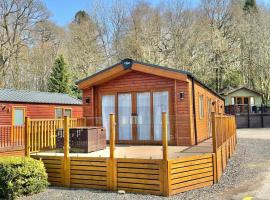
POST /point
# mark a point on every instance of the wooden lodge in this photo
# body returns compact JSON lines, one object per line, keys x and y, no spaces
{"x":15,"y":105}
{"x":138,"y":92}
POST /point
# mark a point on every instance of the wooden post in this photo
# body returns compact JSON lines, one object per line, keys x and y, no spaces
{"x":165,"y":136}
{"x":27,"y":136}
{"x":214,"y":136}
{"x":166,"y":183}
{"x":112,"y":135}
{"x":66,"y":163}
{"x":112,"y":181}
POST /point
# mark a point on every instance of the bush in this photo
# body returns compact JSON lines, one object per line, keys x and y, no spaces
{"x":21,"y":176}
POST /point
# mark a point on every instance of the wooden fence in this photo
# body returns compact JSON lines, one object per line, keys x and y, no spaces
{"x":149,"y":176}
{"x":41,"y":133}
{"x":224,"y":140}
{"x":11,"y":136}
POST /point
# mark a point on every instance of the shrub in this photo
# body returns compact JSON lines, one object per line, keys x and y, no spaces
{"x":21,"y":176}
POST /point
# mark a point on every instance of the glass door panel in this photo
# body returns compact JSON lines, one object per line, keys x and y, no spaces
{"x":143,"y":116}
{"x":124,"y":116}
{"x":160,"y":104}
{"x":108,"y":107}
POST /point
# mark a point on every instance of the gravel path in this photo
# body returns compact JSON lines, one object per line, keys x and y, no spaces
{"x":248,"y":164}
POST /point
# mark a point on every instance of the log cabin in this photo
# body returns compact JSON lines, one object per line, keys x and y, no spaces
{"x":139,"y":92}
{"x":15,"y":105}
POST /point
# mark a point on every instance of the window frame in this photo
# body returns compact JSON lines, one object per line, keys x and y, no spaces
{"x":201,"y":106}
{"x":13,"y":114}
{"x":63,"y":112}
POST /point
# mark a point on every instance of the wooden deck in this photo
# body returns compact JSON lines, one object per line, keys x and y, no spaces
{"x":144,"y":152}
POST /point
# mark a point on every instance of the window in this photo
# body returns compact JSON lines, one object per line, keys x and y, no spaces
{"x":201,"y":107}
{"x":233,"y":100}
{"x":18,"y":117}
{"x":61,"y":112}
{"x":68,"y":112}
{"x":58,"y":113}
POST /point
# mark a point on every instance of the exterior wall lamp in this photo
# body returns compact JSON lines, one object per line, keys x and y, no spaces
{"x":87,"y":100}
{"x":181,"y":95}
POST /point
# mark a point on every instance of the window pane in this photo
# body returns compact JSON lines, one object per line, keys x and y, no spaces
{"x":68,"y":112}
{"x":239,"y":100}
{"x":18,"y":117}
{"x":161,"y":104}
{"x":201,"y":108}
{"x":124,"y":116}
{"x":144,"y":116}
{"x":108,"y":104}
{"x":246,"y":100}
{"x":233,"y":100}
{"x":58,"y":113}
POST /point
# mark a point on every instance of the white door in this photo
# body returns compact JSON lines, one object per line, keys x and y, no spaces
{"x":108,"y":107}
{"x":160,"y":104}
{"x":143,"y":116}
{"x":124,"y":116}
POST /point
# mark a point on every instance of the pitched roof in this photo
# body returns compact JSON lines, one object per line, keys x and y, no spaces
{"x":232,"y":90}
{"x":25,"y":96}
{"x":129,"y":64}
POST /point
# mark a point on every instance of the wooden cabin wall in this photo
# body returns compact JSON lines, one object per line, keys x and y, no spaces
{"x":138,"y":82}
{"x":36,"y":111}
{"x":203,"y":130}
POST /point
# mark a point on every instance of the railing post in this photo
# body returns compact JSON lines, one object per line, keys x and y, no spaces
{"x":112,"y":181}
{"x":214,"y":136}
{"x":66,"y":164}
{"x":164,"y":136}
{"x":166,"y":163}
{"x":27,"y":136}
{"x":214,"y":143}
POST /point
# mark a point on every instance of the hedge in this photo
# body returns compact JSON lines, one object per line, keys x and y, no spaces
{"x":21,"y":176}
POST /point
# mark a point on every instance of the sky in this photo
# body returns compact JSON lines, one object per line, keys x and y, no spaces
{"x":63,"y":11}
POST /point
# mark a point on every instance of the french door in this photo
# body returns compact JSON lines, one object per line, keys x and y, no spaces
{"x":138,"y":115}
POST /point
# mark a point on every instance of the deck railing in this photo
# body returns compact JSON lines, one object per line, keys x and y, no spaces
{"x":224,"y":140}
{"x":165,"y":176}
{"x":11,"y":136}
{"x":42,"y":132}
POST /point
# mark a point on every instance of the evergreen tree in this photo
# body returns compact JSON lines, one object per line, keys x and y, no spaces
{"x":81,"y":16}
{"x":59,"y":80}
{"x":250,"y":6}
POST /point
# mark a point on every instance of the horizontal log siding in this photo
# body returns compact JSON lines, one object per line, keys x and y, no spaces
{"x":36,"y":111}
{"x":183,"y":120}
{"x":140,"y":82}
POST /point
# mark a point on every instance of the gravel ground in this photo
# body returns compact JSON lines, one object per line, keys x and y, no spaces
{"x":250,"y":161}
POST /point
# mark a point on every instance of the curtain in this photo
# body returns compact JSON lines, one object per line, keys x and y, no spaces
{"x":161,"y":104}
{"x":144,"y":116}
{"x":124,"y":117}
{"x":108,"y":107}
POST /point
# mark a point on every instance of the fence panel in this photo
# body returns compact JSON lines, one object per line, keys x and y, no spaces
{"x":191,"y":173}
{"x":88,"y":172}
{"x":11,"y":136}
{"x":140,"y":176}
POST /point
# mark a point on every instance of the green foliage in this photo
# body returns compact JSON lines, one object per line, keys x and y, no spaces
{"x":59,"y":80}
{"x":233,"y":79}
{"x":81,"y":16}
{"x":21,"y":176}
{"x":250,"y":6}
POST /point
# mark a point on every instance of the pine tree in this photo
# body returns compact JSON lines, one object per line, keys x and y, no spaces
{"x":59,"y":80}
{"x":250,"y":6}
